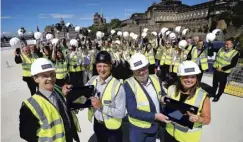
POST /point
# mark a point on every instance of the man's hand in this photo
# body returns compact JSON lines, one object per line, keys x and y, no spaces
{"x":219,"y":69}
{"x":96,"y":103}
{"x":161,"y":117}
{"x":66,"y":89}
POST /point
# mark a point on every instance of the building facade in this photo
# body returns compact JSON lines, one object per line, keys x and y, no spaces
{"x":172,"y":13}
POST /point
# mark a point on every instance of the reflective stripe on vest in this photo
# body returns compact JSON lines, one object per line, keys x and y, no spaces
{"x":51,"y":125}
{"x":142,"y":100}
{"x":203,"y":58}
{"x":182,"y":133}
{"x":26,"y":64}
{"x":74,"y":61}
{"x":61,"y":69}
{"x":150,"y":57}
{"x":109,"y":93}
{"x":224,"y":58}
{"x":166,"y":57}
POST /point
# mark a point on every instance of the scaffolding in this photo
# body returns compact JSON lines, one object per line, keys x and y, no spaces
{"x":234,"y":84}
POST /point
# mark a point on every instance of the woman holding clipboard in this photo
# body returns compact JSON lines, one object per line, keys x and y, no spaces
{"x":187,"y":90}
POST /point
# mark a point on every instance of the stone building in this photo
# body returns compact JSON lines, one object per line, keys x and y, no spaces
{"x":99,"y":20}
{"x":172,"y":13}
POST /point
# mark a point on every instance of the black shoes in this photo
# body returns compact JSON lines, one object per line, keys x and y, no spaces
{"x":215,"y":99}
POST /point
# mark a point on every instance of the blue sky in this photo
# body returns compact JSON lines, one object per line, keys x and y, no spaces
{"x":30,"y":13}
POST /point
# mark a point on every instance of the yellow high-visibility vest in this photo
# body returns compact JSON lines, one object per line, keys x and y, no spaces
{"x":159,"y":53}
{"x":142,"y":100}
{"x":61,"y":69}
{"x":179,"y":132}
{"x":187,"y":50}
{"x":26,"y":64}
{"x":167,"y":56}
{"x":224,"y":58}
{"x":150,"y":56}
{"x":51,"y":124}
{"x":177,"y":62}
{"x":203,"y":58}
{"x":109,"y":93}
{"x":74,"y":61}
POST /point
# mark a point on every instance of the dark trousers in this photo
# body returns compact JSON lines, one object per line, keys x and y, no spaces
{"x":76,"y":78}
{"x":219,"y":79}
{"x":31,"y":84}
{"x":139,"y":136}
{"x":169,"y":138}
{"x":164,"y":72}
{"x":151,"y":69}
{"x":105,"y":135}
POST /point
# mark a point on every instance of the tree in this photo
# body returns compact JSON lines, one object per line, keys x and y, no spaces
{"x":115,"y":23}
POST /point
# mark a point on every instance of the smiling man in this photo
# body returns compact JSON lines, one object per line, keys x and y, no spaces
{"x":45,"y":117}
{"x":143,"y":101}
{"x":108,"y":102}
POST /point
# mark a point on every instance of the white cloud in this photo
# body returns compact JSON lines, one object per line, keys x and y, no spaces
{"x":5,"y":17}
{"x":65,"y":16}
{"x":86,"y":18}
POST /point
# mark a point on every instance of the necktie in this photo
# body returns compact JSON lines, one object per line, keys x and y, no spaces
{"x":63,"y":112}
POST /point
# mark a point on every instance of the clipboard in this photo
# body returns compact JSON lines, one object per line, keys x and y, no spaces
{"x":177,"y":112}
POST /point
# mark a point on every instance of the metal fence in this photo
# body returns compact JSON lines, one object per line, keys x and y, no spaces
{"x":234,"y":84}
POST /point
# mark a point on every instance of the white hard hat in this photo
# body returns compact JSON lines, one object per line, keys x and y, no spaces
{"x":135,"y":36}
{"x":118,"y":42}
{"x":74,"y":42}
{"x":145,"y":30}
{"x":41,"y":65}
{"x":89,"y":30}
{"x":178,"y":29}
{"x":20,"y":33}
{"x":217,"y":31}
{"x":163,"y":30}
{"x":99,"y":34}
{"x":54,"y":41}
{"x":68,"y":25}
{"x":210,"y":37}
{"x":154,"y":33}
{"x":167,"y":33}
{"x":184,"y":32}
{"x":182,"y":44}
{"x":77,"y":28}
{"x":15,"y":42}
{"x":138,"y":61}
{"x":119,"y":33}
{"x":38,"y":35}
{"x":172,"y":35}
{"x":49,"y":36}
{"x":113,"y":31}
{"x":188,"y":68}
{"x":125,"y":34}
{"x":144,"y":35}
{"x":131,"y":34}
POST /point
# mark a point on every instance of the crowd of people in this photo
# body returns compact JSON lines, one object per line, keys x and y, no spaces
{"x":129,"y":78}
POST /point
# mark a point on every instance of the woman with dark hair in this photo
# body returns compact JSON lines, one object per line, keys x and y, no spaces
{"x":47,"y":52}
{"x":61,"y":66}
{"x":187,"y":90}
